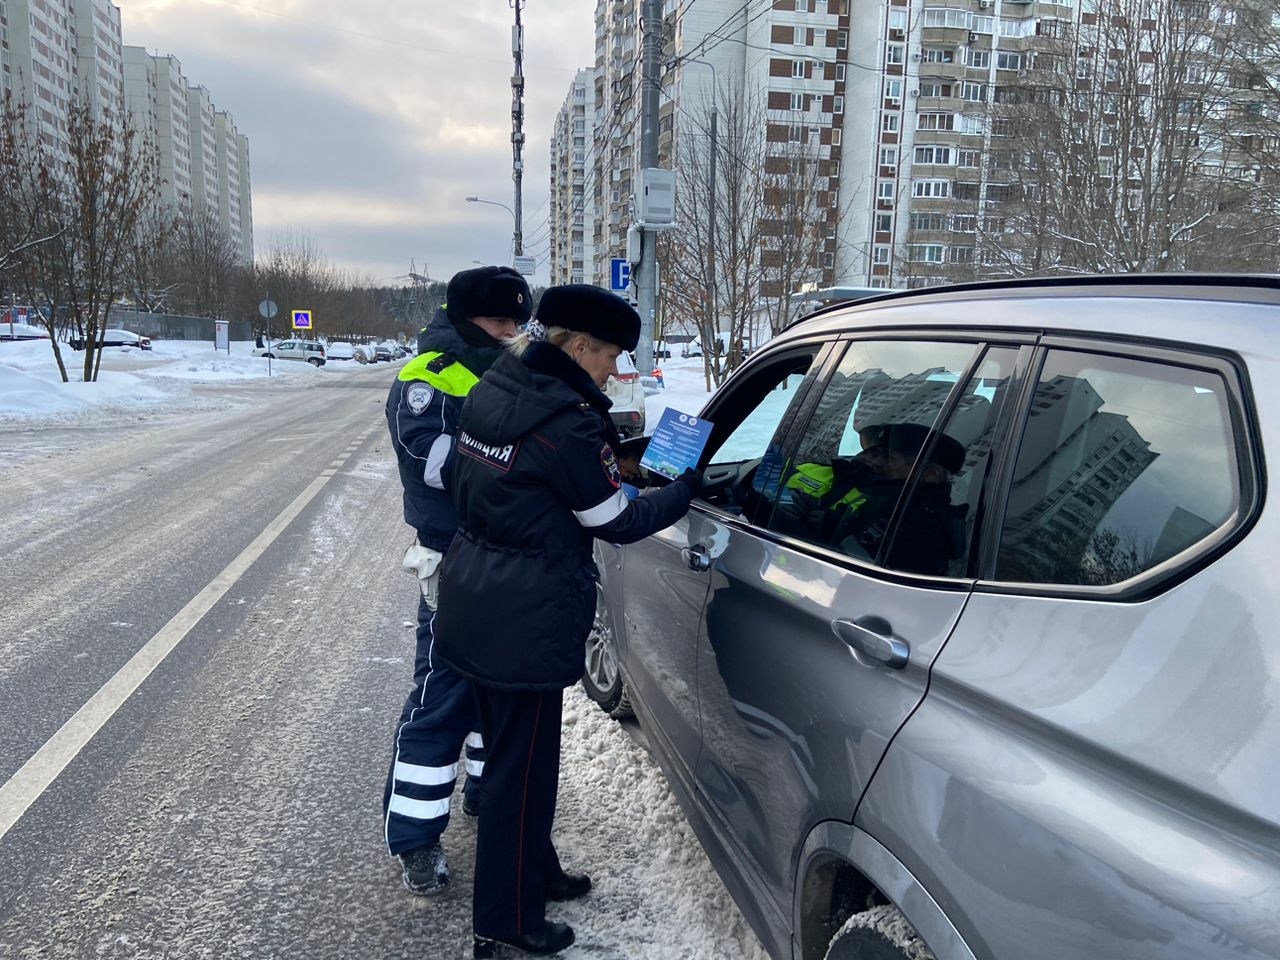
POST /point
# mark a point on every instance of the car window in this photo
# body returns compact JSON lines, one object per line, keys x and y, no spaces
{"x":876,"y":415}
{"x":933,"y":532}
{"x":1123,"y":464}
{"x":743,"y":459}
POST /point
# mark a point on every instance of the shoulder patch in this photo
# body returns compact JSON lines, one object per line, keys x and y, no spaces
{"x":609,"y":462}
{"x":418,"y":396}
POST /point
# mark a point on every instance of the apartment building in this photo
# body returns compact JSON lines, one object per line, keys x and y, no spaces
{"x":246,"y":198}
{"x":42,"y":62}
{"x":572,"y":216}
{"x":99,"y":54}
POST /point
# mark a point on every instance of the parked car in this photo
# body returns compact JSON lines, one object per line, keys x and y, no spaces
{"x":22,"y":331}
{"x":364,"y":353}
{"x":115,"y":338}
{"x":312,"y":351}
{"x":627,"y":393}
{"x":382,"y":351}
{"x":967,"y":649}
{"x":339,"y":350}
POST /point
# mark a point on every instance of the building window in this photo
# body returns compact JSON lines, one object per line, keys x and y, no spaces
{"x":797,"y":69}
{"x":895,"y":53}
{"x":974,"y":92}
{"x":884,"y":222}
{"x":889,"y":123}
{"x":835,"y":136}
{"x":837,"y":104}
{"x":898,"y":20}
{"x":800,"y":36}
{"x":889,"y":157}
{"x":931,"y":189}
{"x":885,"y":190}
{"x":893,"y":89}
{"x":796,"y":134}
{"x":880,"y":253}
{"x":934,"y":88}
{"x":936,"y":121}
{"x":797,"y":101}
{"x":938,"y":55}
{"x":927,"y":252}
{"x":1008,"y":61}
{"x":840,"y":72}
{"x":979,"y":58}
{"x":936,"y":222}
{"x":934,"y":154}
{"x":842,"y":39}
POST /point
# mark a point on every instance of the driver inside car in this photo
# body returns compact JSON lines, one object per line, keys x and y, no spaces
{"x":848,"y":503}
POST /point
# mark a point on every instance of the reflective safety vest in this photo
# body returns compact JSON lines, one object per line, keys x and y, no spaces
{"x":440,"y":370}
{"x":816,"y":480}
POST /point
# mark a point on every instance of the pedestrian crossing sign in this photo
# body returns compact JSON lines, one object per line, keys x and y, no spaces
{"x":302,"y":319}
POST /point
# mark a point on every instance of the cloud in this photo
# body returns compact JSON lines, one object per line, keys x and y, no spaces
{"x":369,"y":123}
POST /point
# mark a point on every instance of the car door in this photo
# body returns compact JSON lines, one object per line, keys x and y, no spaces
{"x":664,"y":576}
{"x":1104,"y":715}
{"x":823,"y":617}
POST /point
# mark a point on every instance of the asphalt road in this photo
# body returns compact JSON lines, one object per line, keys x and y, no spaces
{"x":205,"y":640}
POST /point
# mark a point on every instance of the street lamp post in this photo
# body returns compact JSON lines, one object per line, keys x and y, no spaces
{"x":517,"y":245}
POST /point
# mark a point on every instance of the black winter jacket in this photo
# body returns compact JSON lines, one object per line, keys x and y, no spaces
{"x":422,"y":415}
{"x":535,"y":479}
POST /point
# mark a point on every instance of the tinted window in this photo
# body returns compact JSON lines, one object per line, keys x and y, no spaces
{"x":876,"y":416}
{"x":1123,"y":464}
{"x":934,"y":529}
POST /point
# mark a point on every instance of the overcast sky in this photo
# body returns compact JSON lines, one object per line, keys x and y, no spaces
{"x":369,"y":121}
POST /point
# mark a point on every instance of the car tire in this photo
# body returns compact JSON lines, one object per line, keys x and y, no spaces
{"x":268,"y":356}
{"x":881,"y":933}
{"x":602,"y":679}
{"x":315,"y":361}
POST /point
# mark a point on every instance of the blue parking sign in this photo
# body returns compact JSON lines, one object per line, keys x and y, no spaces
{"x":619,"y":273}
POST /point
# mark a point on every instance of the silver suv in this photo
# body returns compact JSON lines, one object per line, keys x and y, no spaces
{"x":969,"y":648}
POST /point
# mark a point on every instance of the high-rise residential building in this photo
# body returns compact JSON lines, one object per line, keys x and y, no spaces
{"x":204,"y":151}
{"x":174,"y":140}
{"x":915,"y":121}
{"x":572,"y":210}
{"x":6,"y":78}
{"x":42,"y":63}
{"x":99,"y":54}
{"x":246,"y":199}
{"x":231,"y":189}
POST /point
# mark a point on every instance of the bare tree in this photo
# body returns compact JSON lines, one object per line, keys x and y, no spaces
{"x":753,"y":237}
{"x":88,"y":195}
{"x":1127,"y":147}
{"x":204,"y":262}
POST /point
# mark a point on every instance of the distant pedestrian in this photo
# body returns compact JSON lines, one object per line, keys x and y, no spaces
{"x":536,"y":478}
{"x":441,"y":714}
{"x":657,"y":375}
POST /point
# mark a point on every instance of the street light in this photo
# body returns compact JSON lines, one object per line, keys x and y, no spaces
{"x":517,"y":244}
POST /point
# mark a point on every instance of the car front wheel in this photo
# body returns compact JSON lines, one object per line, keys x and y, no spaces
{"x":315,"y":361}
{"x":603,"y":680}
{"x":881,"y":933}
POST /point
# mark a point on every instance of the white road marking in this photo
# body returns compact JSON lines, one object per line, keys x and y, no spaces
{"x":34,"y":777}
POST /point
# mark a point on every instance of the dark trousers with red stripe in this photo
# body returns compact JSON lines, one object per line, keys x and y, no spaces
{"x":514,"y":854}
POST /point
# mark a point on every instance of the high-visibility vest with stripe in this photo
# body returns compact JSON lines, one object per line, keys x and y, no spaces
{"x":440,"y":370}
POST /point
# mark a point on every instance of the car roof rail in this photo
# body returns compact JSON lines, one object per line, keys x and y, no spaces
{"x":1267,"y":281}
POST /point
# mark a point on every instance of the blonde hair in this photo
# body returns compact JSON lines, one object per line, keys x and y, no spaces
{"x":556,"y":336}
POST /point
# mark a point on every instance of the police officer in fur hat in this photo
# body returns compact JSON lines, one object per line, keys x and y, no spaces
{"x":485,"y":307}
{"x":536,"y":478}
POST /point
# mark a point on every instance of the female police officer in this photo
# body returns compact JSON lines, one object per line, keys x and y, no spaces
{"x":535,"y":479}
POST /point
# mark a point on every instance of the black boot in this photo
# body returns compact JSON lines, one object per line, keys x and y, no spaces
{"x":567,"y":886}
{"x":553,"y":938}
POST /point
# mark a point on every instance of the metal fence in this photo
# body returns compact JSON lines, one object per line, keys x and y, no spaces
{"x":171,"y":326}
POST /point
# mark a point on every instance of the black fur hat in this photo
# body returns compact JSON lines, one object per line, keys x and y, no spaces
{"x":488,"y":292}
{"x":583,"y":308}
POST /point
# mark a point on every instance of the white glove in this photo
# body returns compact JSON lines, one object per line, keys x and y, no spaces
{"x":424,"y":563}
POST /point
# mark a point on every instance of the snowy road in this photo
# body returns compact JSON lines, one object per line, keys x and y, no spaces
{"x":230,"y":807}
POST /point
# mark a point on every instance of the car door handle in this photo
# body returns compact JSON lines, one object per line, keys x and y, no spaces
{"x":697,"y":558}
{"x":873,"y":637}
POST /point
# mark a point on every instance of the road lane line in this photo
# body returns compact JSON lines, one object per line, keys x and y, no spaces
{"x":34,"y":776}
